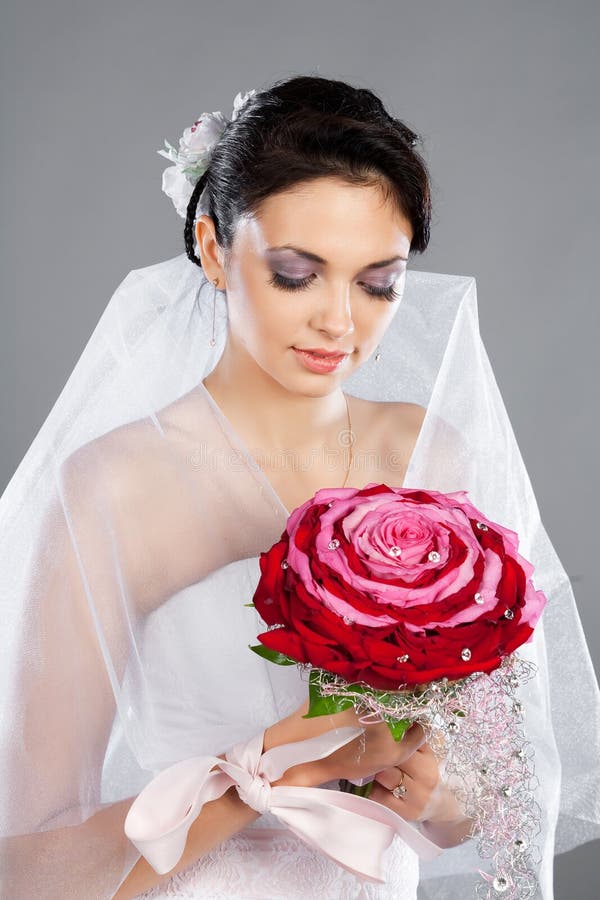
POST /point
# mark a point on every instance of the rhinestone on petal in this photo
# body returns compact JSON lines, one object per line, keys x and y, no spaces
{"x":509,"y":614}
{"x":453,"y":727}
{"x":520,"y":754}
{"x":404,"y":658}
{"x":284,"y":563}
{"x":478,"y":598}
{"x":506,"y":790}
{"x":333,"y":544}
{"x":465,"y":654}
{"x":520,"y":844}
{"x":330,"y":504}
{"x":268,"y":601}
{"x":500,"y":884}
{"x":482,"y":526}
{"x":434,"y":556}
{"x":347,"y":620}
{"x":395,"y":551}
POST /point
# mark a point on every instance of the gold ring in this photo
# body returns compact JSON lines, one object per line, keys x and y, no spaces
{"x":400,"y":789}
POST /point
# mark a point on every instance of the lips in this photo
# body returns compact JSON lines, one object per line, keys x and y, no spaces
{"x":324,"y":354}
{"x":320,"y":364}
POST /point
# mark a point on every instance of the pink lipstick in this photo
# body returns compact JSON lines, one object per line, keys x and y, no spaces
{"x":321,"y":364}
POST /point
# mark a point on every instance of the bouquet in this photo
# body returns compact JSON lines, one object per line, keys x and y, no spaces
{"x":409,"y":605}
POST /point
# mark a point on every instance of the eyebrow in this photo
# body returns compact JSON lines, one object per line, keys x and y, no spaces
{"x":319,"y":259}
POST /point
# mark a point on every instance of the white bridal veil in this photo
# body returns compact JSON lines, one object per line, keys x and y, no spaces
{"x":130,"y":535}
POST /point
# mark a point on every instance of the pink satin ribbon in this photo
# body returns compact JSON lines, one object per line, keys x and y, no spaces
{"x":353,"y":831}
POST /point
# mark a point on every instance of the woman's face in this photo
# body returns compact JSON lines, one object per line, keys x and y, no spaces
{"x":304,"y":273}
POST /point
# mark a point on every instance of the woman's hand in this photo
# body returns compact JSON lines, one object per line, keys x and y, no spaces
{"x":419,"y":774}
{"x":370,"y":752}
{"x":427,"y":798}
{"x":376,"y":754}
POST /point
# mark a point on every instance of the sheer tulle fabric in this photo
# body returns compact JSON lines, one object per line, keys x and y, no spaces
{"x":131,"y":533}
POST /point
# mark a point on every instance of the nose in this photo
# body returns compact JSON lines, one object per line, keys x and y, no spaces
{"x":334,"y":316}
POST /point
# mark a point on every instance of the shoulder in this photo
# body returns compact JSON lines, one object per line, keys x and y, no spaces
{"x":391,"y":429}
{"x":125,"y":482}
{"x":390,"y":417}
{"x":402,"y":423}
{"x":411,"y":413}
{"x":113,"y":466}
{"x":401,"y":426}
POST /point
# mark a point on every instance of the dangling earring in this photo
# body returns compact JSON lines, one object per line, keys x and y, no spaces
{"x":212,"y":341}
{"x":378,"y":354}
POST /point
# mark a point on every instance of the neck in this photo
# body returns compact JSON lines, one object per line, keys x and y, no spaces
{"x":272,"y":414}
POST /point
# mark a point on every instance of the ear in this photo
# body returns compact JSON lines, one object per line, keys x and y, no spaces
{"x":210,"y":252}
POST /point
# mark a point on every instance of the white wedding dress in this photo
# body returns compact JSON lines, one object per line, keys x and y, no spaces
{"x":263,"y":864}
{"x":206,"y":628}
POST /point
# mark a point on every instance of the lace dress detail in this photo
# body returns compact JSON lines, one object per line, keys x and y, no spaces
{"x":269,"y":864}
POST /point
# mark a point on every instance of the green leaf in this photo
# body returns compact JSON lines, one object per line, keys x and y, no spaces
{"x":326,"y":706}
{"x":323,"y":706}
{"x":334,"y":703}
{"x":273,"y":656}
{"x":398,"y":727}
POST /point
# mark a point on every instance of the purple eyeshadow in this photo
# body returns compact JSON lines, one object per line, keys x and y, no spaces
{"x":281,"y":261}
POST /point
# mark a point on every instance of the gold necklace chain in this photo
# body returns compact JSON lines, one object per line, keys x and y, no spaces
{"x":351,"y":437}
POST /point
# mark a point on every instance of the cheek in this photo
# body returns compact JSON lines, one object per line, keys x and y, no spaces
{"x":255,"y":314}
{"x":284,"y":317}
{"x":268,"y":324}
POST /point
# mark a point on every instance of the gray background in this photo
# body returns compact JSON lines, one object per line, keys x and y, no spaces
{"x":506,"y":98}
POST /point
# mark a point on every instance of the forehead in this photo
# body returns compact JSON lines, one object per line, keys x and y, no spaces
{"x":334,"y":219}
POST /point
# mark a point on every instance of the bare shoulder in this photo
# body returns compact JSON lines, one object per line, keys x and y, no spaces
{"x":390,"y":428}
{"x":401,"y":425}
{"x":134,"y":460}
{"x":127,"y":479}
{"x":390,"y":417}
{"x":115,"y":464}
{"x":412,"y":413}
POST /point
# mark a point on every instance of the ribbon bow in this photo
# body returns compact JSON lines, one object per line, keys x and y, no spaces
{"x":353,"y":831}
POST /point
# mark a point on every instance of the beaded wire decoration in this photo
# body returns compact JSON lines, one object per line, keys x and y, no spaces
{"x":476,"y":726}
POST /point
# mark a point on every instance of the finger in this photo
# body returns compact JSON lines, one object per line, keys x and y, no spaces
{"x":425,"y":750}
{"x":419,"y":769}
{"x":392,"y":777}
{"x":409,"y":805}
{"x":412,"y":740}
{"x":422,"y":767}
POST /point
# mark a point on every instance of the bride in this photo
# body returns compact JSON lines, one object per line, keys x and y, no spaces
{"x":211,"y":401}
{"x":285,"y":403}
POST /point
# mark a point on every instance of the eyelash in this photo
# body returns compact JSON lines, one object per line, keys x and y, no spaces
{"x":291,"y":284}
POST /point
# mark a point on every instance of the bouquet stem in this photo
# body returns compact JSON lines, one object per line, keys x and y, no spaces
{"x":362,"y":790}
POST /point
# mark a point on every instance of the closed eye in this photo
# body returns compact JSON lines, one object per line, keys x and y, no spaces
{"x":300,"y":284}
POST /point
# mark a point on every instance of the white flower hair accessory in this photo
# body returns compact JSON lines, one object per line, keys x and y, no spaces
{"x":192,"y":157}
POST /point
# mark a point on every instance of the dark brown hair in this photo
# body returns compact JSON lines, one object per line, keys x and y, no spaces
{"x":303,"y":128}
